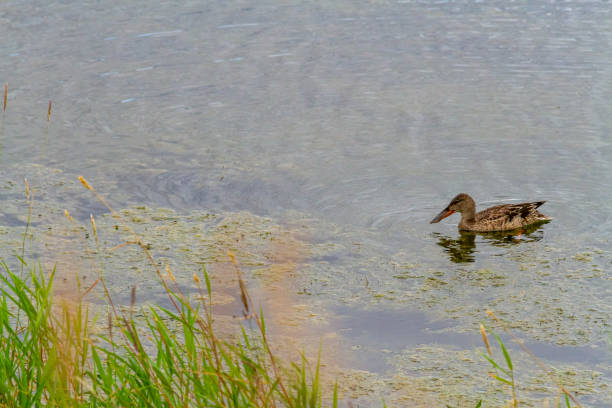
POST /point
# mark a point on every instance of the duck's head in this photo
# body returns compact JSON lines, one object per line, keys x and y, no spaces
{"x":461,"y":203}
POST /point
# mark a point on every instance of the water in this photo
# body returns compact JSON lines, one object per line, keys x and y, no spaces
{"x":357,"y":122}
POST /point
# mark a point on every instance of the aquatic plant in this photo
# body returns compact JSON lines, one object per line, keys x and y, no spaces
{"x":53,"y":353}
{"x":505,"y":374}
{"x":49,"y":355}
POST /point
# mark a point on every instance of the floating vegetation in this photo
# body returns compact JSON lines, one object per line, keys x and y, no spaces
{"x":302,"y":269}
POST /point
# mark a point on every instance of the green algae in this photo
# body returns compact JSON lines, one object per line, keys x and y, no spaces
{"x":535,"y":292}
{"x":457,"y":377}
{"x":549,"y":300}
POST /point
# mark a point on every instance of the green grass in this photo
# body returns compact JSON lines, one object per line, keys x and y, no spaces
{"x":169,"y":358}
{"x":48,"y":356}
{"x":51,"y":355}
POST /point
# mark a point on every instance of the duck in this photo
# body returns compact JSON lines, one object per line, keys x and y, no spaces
{"x":505,"y":217}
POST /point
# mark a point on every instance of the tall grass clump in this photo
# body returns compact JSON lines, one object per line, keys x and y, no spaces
{"x":42,"y":351}
{"x":172,"y":357}
{"x":49,"y":356}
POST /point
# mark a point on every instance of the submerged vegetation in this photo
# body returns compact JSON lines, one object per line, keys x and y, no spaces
{"x":52,"y":352}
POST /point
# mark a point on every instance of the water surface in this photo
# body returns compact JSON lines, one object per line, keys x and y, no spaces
{"x":347,"y":125}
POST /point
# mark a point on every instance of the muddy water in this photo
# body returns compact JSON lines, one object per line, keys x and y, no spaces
{"x":340,"y":129}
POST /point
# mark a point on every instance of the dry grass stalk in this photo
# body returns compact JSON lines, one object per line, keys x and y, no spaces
{"x":170,"y":274}
{"x":136,"y":240}
{"x":110,"y":326}
{"x":93,"y":285}
{"x":98,"y":271}
{"x":67,"y":215}
{"x":30,"y":200}
{"x":94,"y":229}
{"x":247,"y":302}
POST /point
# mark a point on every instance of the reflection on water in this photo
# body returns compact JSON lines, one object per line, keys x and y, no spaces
{"x":463,"y":248}
{"x":459,"y":250}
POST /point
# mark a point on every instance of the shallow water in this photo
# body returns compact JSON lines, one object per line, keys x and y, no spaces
{"x":350,"y":125}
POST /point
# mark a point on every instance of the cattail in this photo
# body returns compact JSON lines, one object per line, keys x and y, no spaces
{"x":485,"y":339}
{"x":49,"y":112}
{"x":85,"y":183}
{"x":27,"y":189}
{"x":133,"y":297}
{"x":5,"y":94}
{"x":67,"y":214}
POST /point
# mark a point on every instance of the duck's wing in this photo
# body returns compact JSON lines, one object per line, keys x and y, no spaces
{"x":510,"y":216}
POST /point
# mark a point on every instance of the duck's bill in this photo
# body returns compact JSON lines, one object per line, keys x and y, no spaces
{"x":443,"y":214}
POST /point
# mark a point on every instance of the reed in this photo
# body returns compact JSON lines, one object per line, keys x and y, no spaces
{"x":169,"y":357}
{"x":173,"y":358}
{"x":505,"y":374}
{"x":49,"y":355}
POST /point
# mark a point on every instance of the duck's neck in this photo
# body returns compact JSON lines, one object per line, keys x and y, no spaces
{"x":468,"y":215}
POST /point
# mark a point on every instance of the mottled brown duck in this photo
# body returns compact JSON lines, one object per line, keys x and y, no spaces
{"x":503,"y":217}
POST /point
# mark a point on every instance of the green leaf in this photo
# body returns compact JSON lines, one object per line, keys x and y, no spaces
{"x":507,"y":356}
{"x":335,"y":398}
{"x":494,"y":364}
{"x":208,"y":285}
{"x":500,"y":379}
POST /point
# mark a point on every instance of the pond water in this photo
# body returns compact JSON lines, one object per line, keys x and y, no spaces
{"x":342,"y":127}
